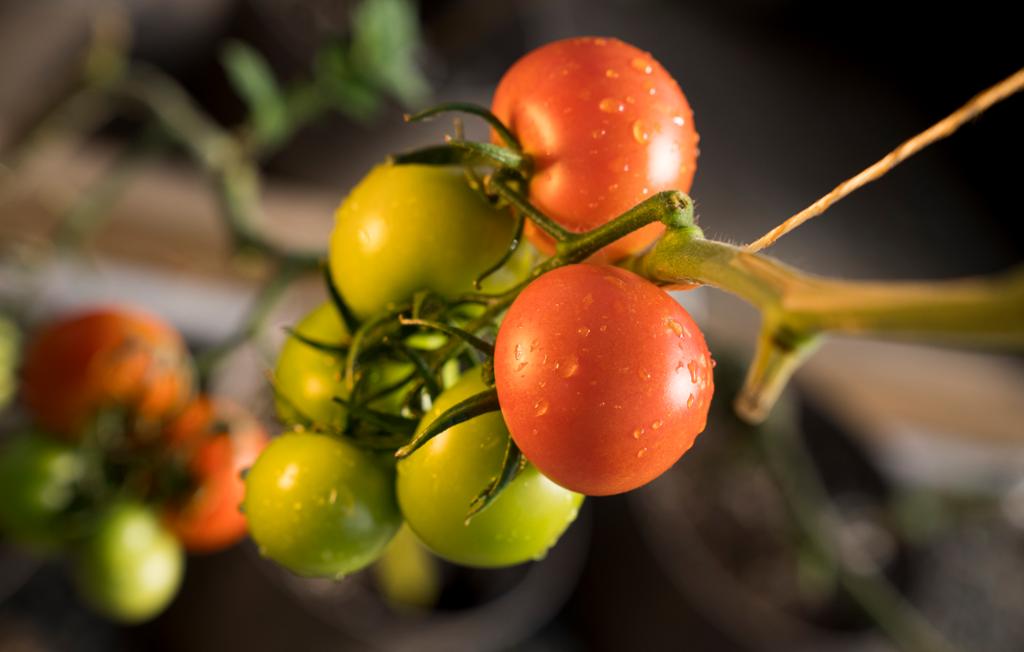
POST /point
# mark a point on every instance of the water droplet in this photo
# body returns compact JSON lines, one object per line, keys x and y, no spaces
{"x":714,"y":363}
{"x":611,"y":74}
{"x":690,"y":401}
{"x":541,"y":407}
{"x":613,"y":187}
{"x":583,"y":330}
{"x":603,"y":327}
{"x":652,"y":91}
{"x":657,"y":424}
{"x":678,"y":120}
{"x":692,"y":366}
{"x":518,"y":352}
{"x":637,"y":433}
{"x":611,"y":105}
{"x":674,"y":326}
{"x":521,"y":366}
{"x":542,"y":384}
{"x":641,"y":452}
{"x":640,"y":133}
{"x":630,"y":99}
{"x":643,"y":374}
{"x":615,"y":280}
{"x":641,"y":64}
{"x":645,"y":190}
{"x":570,"y":367}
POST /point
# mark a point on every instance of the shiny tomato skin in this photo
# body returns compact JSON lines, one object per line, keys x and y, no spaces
{"x":320,"y":506}
{"x":39,"y":480}
{"x":130,"y":567}
{"x":406,"y":228}
{"x":607,"y":127}
{"x":604,"y":380}
{"x":218,"y":441}
{"x":437,"y":485}
{"x":103,"y":358}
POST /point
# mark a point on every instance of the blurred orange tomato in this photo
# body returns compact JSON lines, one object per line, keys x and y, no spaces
{"x":218,"y":440}
{"x":105,"y":358}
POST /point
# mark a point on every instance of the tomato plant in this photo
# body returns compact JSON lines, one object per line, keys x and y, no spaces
{"x":438,"y":483}
{"x":406,"y":228}
{"x":105,"y":358}
{"x":308,"y":376}
{"x":606,"y":127}
{"x":604,"y":380}
{"x":220,"y":440}
{"x":319,"y":505}
{"x":130,"y":568}
{"x":38,"y":481}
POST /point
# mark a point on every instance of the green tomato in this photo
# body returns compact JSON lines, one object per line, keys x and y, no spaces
{"x":308,"y":378}
{"x":130,"y":568}
{"x":406,"y":228}
{"x":9,"y":346}
{"x":38,"y":482}
{"x":319,"y":505}
{"x":437,"y":483}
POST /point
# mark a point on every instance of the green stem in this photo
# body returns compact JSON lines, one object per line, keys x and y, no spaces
{"x":221,"y":155}
{"x":519,"y":201}
{"x":799,"y":308}
{"x":473,"y":109}
{"x":816,"y":518}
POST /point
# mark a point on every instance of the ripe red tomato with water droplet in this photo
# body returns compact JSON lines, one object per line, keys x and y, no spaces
{"x":606,"y":126}
{"x":604,"y":380}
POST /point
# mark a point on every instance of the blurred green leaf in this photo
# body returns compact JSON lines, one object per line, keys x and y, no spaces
{"x":386,"y":39}
{"x":254,"y":81}
{"x":341,"y":85}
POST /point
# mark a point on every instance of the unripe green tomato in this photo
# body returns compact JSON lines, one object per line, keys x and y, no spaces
{"x":437,"y":484}
{"x":38,"y":481}
{"x":130,"y":568}
{"x":406,"y":228}
{"x":319,"y":505}
{"x":307,"y":379}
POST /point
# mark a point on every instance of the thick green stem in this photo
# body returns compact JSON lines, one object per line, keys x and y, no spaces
{"x":799,"y":308}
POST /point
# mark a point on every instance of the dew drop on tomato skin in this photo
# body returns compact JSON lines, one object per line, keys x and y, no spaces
{"x":627,"y":373}
{"x":624,"y":85}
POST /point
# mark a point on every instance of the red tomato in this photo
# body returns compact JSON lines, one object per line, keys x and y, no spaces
{"x":219,"y":440}
{"x":604,"y":380}
{"x":104,"y":358}
{"x":607,"y":127}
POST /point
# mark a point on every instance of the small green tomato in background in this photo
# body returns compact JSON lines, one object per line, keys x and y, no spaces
{"x":9,"y":346}
{"x":437,"y":484}
{"x":38,"y":482}
{"x":308,"y":378}
{"x":130,"y":569}
{"x":406,"y":228}
{"x":319,"y":505}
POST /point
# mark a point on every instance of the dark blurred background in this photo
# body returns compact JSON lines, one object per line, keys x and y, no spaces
{"x":920,"y":448}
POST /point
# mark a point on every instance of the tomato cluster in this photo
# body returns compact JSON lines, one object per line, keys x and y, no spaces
{"x":596,"y":383}
{"x":124,"y":467}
